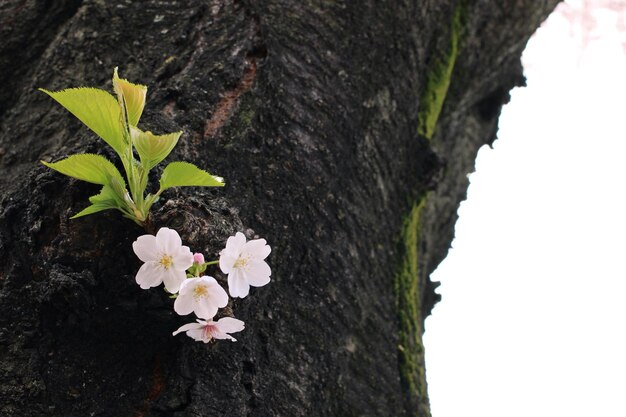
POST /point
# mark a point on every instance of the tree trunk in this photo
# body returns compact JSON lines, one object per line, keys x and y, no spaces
{"x":345,"y":131}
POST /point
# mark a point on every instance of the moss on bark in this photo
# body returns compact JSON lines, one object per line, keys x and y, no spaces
{"x":438,"y":77}
{"x":410,"y":347}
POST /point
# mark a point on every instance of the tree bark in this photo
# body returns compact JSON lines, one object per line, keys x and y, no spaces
{"x":345,"y":132}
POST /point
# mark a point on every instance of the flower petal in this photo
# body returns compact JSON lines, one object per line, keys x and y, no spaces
{"x":237,"y":284}
{"x":218,"y":295}
{"x":257,"y":249}
{"x":145,"y":248}
{"x":218,"y":334}
{"x":173,"y":279}
{"x":234,"y":244}
{"x":149,"y":275}
{"x":199,"y":335}
{"x":168,"y":240}
{"x":183,"y":305}
{"x":205,"y":309}
{"x":188,"y":326}
{"x":187,"y":286}
{"x":258,"y":273}
{"x":227,"y":262}
{"x":230,"y":325}
{"x":182,"y":258}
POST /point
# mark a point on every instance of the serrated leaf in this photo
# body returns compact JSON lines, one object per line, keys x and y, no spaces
{"x":94,"y":208}
{"x":184,"y":174}
{"x":133,"y":97}
{"x":97,"y":109}
{"x":105,"y":200}
{"x":92,"y":168}
{"x":151,"y":148}
{"x":107,"y":196}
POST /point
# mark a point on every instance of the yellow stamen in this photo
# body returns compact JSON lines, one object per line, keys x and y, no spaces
{"x":242,"y":262}
{"x":166,"y":261}
{"x":200,"y":291}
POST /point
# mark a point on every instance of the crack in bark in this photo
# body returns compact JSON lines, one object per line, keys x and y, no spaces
{"x":158,"y":385}
{"x":226,"y":106}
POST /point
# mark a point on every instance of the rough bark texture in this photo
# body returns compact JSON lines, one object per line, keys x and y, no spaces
{"x":311,"y":111}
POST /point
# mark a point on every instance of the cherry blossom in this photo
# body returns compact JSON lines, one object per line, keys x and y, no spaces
{"x":204,"y":331}
{"x":201,"y":295}
{"x":165,"y":257}
{"x":244,"y":263}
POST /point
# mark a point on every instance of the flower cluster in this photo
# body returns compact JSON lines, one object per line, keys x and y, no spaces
{"x":168,"y":261}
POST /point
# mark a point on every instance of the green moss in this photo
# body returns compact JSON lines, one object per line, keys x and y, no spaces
{"x":438,"y":78}
{"x":408,"y":299}
{"x":246,"y":116}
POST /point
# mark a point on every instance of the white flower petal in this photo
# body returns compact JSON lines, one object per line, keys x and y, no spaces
{"x":188,"y":326}
{"x":205,"y":309}
{"x":205,"y":280}
{"x":230,"y":325}
{"x":234,"y":244}
{"x":149,"y":275}
{"x":218,"y":334}
{"x":199,"y":335}
{"x":237,"y":284}
{"x":217,"y":295}
{"x":182,"y":258}
{"x":173,"y":279}
{"x":183,"y":305}
{"x":187,"y":286}
{"x":256,"y":249}
{"x":145,"y":248}
{"x":258,"y":273}
{"x":227,"y":262}
{"x":168,"y":240}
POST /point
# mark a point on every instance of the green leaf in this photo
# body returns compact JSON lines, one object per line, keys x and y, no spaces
{"x":98,"y":110}
{"x":107,"y":199}
{"x":184,"y":174}
{"x":87,"y":167}
{"x":151,"y":148}
{"x":107,"y":196}
{"x":119,"y":188}
{"x":94,"y":208}
{"x":132,"y":96}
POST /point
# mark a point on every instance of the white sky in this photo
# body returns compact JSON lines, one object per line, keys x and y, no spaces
{"x":533,"y":317}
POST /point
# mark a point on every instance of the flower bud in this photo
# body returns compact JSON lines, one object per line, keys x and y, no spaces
{"x":198,"y":258}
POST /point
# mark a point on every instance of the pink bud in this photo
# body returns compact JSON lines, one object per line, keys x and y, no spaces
{"x":198,"y":258}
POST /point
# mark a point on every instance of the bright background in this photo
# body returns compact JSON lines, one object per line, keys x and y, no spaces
{"x":533,"y":317}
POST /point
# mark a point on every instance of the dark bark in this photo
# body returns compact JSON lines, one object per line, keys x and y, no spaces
{"x":311,"y":111}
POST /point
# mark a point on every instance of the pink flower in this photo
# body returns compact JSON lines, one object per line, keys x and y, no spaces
{"x":203,"y":296}
{"x":244,"y":263}
{"x":206,"y":330}
{"x":165,"y":257}
{"x":198,"y":258}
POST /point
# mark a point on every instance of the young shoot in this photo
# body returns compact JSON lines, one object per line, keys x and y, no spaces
{"x":115,"y":121}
